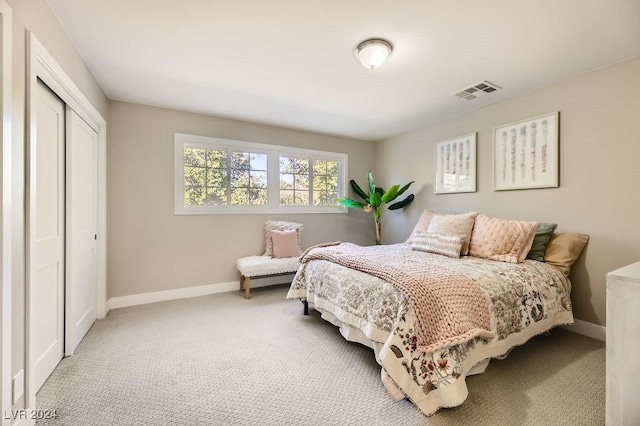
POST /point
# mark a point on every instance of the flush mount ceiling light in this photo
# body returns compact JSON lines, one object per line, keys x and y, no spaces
{"x":373,"y":52}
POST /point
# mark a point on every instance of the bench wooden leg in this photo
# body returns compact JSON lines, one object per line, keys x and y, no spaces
{"x":306,"y":307}
{"x":247,"y":287}
{"x":241,"y":282}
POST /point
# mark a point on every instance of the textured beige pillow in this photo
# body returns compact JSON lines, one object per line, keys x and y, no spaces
{"x":564,"y":249}
{"x":425,"y":221}
{"x":422,"y":225}
{"x":285,"y":243}
{"x":501,"y":239}
{"x":278,"y":225}
{"x":459,"y":224}
{"x":448,"y":245}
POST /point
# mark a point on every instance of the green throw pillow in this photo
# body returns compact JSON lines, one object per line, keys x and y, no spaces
{"x":543,"y":234}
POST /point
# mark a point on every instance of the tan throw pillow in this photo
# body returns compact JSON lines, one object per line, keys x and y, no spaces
{"x":448,"y":245}
{"x":285,"y":243}
{"x":422,"y":225}
{"x":501,"y":239}
{"x":459,"y":224}
{"x":278,"y":225}
{"x":564,"y":249}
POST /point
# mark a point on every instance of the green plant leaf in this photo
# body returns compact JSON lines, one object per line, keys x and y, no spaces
{"x":356,"y":188}
{"x":390,"y":194}
{"x":375,"y":200}
{"x":401,"y":191}
{"x":403,"y":203}
{"x":372,"y":185}
{"x":352,"y":204}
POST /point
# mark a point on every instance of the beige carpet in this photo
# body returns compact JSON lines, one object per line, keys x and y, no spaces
{"x":224,"y":360}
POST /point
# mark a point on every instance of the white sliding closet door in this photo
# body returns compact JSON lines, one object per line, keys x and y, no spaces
{"x":48,"y":285}
{"x":82,"y":219}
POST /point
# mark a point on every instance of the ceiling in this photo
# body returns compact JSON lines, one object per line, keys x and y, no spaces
{"x":290,"y":62}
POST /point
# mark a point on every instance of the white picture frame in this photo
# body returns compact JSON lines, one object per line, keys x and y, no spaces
{"x":455,"y":165}
{"x":525,"y":153}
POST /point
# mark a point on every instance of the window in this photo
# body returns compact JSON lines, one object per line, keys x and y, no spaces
{"x":218,"y":176}
{"x":307,"y":181}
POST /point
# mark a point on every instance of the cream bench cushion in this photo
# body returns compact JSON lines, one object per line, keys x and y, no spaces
{"x":262,"y":266}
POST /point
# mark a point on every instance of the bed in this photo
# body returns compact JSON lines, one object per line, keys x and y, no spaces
{"x":515,"y":301}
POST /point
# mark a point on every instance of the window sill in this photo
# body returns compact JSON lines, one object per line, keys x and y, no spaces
{"x":187,"y":211}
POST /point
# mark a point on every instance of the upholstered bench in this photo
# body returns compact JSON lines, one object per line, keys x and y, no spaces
{"x":263,"y":267}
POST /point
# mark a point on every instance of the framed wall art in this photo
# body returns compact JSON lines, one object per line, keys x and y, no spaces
{"x":455,"y":165}
{"x":525,"y":154}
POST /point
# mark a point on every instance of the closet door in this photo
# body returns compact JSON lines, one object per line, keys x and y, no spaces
{"x":82,"y":218}
{"x":48,"y":285}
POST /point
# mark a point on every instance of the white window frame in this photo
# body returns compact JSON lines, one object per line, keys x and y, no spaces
{"x":273,"y":176}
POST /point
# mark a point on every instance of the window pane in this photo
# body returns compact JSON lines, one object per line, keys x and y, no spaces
{"x":257,"y":197}
{"x":194,"y":196}
{"x":318,"y":198}
{"x":239,"y":178}
{"x":194,"y":157}
{"x":332,"y":168}
{"x":258,"y":162}
{"x":301,"y":165}
{"x":320,"y":182}
{"x":258,"y":179}
{"x":240,"y":197}
{"x":332,"y":183}
{"x":217,"y":178}
{"x":325,"y":198}
{"x":287,"y":165}
{"x":240,"y":160}
{"x":216,"y":197}
{"x":302,"y":198}
{"x":216,"y":159}
{"x":286,"y":181}
{"x":195,"y":176}
{"x":325,"y":183}
{"x":301,"y":182}
{"x":294,"y":165}
{"x":286,"y":198}
{"x":319,"y":167}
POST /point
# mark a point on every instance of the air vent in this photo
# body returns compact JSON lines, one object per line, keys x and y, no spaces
{"x":477,"y":90}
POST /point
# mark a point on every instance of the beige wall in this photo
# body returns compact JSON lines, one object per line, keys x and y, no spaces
{"x":151,"y":249}
{"x":35,"y":15}
{"x":599,"y":172}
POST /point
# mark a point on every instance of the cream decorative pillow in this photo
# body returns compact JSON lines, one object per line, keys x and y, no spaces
{"x":460,"y":224}
{"x":448,"y":245}
{"x":285,"y":243}
{"x":278,"y":225}
{"x":501,"y":239}
{"x":564,"y":249}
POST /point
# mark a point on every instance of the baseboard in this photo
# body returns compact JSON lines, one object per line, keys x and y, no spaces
{"x":184,"y":293}
{"x":179,"y":293}
{"x":588,"y":329}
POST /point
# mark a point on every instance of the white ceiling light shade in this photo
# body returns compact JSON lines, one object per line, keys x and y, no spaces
{"x":373,"y":52}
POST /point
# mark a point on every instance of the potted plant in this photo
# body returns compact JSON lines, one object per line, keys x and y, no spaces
{"x":376,"y":198}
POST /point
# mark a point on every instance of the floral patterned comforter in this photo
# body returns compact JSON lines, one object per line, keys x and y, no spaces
{"x":526,"y":299}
